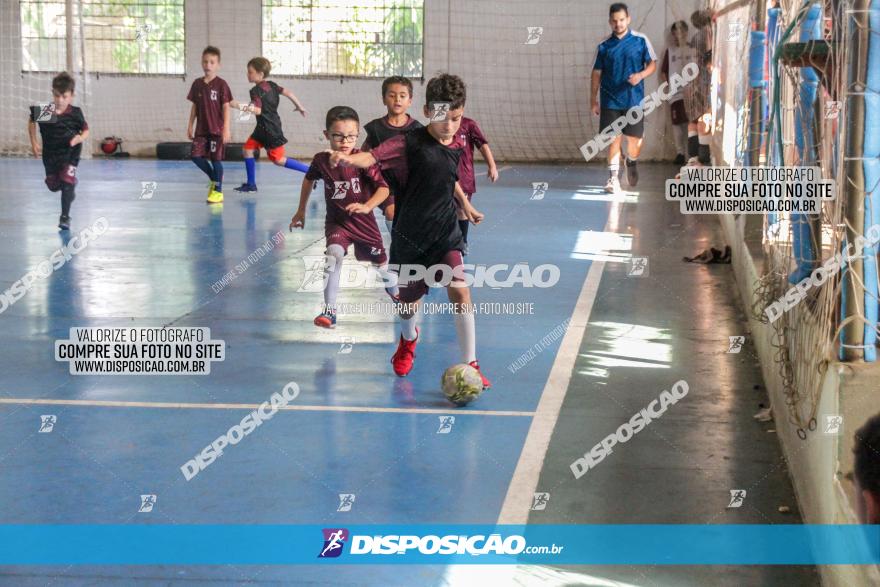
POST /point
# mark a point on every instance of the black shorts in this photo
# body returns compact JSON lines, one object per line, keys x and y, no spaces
{"x":608,"y":115}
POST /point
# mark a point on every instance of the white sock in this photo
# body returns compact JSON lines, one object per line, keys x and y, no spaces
{"x":389,"y":224}
{"x":679,"y":132}
{"x":332,"y":273}
{"x":467,"y":336}
{"x":408,"y":327}
{"x":388,"y":277}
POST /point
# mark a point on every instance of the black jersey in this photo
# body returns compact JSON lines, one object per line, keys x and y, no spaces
{"x":266,"y":95}
{"x":379,"y":131}
{"x":424,"y":172}
{"x":56,"y":131}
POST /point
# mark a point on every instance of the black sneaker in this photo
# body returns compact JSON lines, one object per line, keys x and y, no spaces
{"x":64,"y":222}
{"x":632,"y":173}
{"x":679,"y":160}
{"x":246,"y":187}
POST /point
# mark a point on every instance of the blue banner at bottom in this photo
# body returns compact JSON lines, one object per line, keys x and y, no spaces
{"x":440,"y":544}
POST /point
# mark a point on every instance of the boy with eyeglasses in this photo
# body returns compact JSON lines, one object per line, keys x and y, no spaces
{"x":351,"y":196}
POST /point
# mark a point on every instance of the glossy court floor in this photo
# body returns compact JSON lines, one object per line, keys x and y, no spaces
{"x":356,"y":428}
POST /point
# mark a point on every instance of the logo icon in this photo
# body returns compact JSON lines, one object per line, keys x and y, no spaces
{"x":147,"y":503}
{"x":334,"y":541}
{"x":832,"y":109}
{"x":446,"y":423}
{"x":142,"y":31}
{"x":534,"y":35}
{"x":346,"y":500}
{"x":47,"y":113}
{"x":539,"y":188}
{"x":737,"y":496}
{"x":148,"y":188}
{"x":340,"y":190}
{"x":356,"y":185}
{"x":375,"y":251}
{"x":439,"y":111}
{"x":214,"y":95}
{"x":638,"y":267}
{"x":833,"y":424}
{"x":313,"y":280}
{"x":347,"y":345}
{"x":734,"y":31}
{"x":736,"y":344}
{"x":47,"y":423}
{"x":539,"y":501}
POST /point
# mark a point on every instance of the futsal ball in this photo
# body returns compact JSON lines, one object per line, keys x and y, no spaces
{"x":461,"y":384}
{"x":110,"y":144}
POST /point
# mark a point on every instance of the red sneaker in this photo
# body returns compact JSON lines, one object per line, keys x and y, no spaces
{"x":476,"y":365}
{"x":403,"y":358}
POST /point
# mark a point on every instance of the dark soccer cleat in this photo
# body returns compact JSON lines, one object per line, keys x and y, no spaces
{"x":246,"y":187}
{"x":476,"y":365}
{"x":64,"y":222}
{"x":632,"y":173}
{"x":679,"y":160}
{"x":405,"y":356}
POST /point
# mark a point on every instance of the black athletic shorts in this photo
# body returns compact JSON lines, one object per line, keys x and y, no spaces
{"x":607,"y":116}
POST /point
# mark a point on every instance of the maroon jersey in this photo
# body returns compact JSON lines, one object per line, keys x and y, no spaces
{"x":344,"y":186}
{"x":473,"y":138}
{"x":209,"y":100}
{"x":424,"y":173}
{"x":379,"y":131}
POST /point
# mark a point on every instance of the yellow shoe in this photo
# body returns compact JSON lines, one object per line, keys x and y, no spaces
{"x":215,"y":197}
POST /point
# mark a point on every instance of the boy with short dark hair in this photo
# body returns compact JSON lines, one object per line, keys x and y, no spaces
{"x":63,"y":128}
{"x":265,"y":96}
{"x":397,"y":95}
{"x":210,"y":96}
{"x":351,"y":195}
{"x":424,"y":164}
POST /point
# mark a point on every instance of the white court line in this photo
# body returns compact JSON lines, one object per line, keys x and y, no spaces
{"x":521,"y":490}
{"x":208,"y":406}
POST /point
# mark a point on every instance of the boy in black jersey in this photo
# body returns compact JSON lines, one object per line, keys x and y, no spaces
{"x":397,"y":94}
{"x":265,"y":96}
{"x":63,"y":130}
{"x":423,"y":165}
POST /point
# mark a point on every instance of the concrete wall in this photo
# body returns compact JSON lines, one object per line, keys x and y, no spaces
{"x":531,"y":100}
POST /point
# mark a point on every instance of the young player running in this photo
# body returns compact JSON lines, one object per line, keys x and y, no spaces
{"x":351,"y":195}
{"x":424,"y":164}
{"x":63,"y":129}
{"x":397,"y":95}
{"x":210,"y":96}
{"x":265,"y":96}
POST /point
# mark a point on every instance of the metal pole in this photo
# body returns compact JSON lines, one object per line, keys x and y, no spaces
{"x":854,"y":182}
{"x":68,"y":25}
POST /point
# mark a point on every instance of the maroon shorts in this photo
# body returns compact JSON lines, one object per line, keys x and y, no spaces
{"x":364,"y":250}
{"x":414,"y":290}
{"x":208,"y":146}
{"x":389,"y":201}
{"x":65,"y":174}
{"x":679,"y":114}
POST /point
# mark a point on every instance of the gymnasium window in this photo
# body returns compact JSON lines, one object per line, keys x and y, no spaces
{"x":350,"y":38}
{"x":119,"y":36}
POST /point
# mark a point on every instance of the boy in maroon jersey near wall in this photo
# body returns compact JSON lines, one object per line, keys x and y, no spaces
{"x":424,"y":163}
{"x":265,"y":96}
{"x":473,"y":137}
{"x":397,"y":94}
{"x":351,"y":195}
{"x":210,"y":96}
{"x":63,"y":129}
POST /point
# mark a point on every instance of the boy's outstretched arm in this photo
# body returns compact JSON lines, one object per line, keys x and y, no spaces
{"x":473,"y":215}
{"x":362,"y":160}
{"x":189,"y":125}
{"x":380,"y":196}
{"x":490,"y":160}
{"x":299,"y":218}
{"x":35,"y":144}
{"x":296,"y":103}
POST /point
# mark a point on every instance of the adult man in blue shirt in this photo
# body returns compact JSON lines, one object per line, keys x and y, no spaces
{"x":623,"y":61}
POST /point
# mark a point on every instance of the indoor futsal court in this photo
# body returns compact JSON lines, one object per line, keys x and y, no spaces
{"x":430,"y":293}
